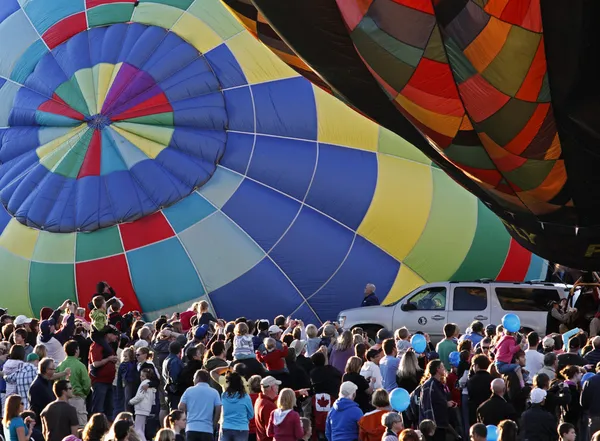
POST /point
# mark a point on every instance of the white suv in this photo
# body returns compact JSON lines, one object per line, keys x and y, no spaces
{"x":430,"y":306}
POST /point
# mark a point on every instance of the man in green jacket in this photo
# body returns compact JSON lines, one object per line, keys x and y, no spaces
{"x":80,"y":380}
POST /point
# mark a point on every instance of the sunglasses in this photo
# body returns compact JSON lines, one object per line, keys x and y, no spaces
{"x":485,"y":348}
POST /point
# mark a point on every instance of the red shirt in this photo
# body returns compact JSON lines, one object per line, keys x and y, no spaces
{"x":275,"y":360}
{"x":185,"y":318}
{"x":262,"y":412}
{"x":104,"y":374}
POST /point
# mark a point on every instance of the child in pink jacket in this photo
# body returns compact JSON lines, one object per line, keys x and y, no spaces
{"x":506,"y":348}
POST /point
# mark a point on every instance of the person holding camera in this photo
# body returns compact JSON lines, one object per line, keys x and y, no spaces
{"x":53,"y":338}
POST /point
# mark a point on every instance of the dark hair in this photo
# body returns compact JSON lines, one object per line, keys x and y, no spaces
{"x":17,"y":353}
{"x":507,"y":430}
{"x":121,"y":429}
{"x":479,"y":429}
{"x":481,"y":361}
{"x":262,"y":326}
{"x":388,"y":346}
{"x":569,"y":371}
{"x":533,"y":339}
{"x":71,"y":347}
{"x":408,"y":435}
{"x":191,"y":352}
{"x":574,"y":343}
{"x":449,"y":330}
{"x":477,"y":326}
{"x":170,"y":419}
{"x":318,"y":359}
{"x":12,"y":408}
{"x":279,"y":321}
{"x":549,"y":359}
{"x":520,"y":353}
{"x":100,"y":287}
{"x":565,"y":428}
{"x":22,"y":332}
{"x":217,"y":348}
{"x":98,"y":301}
{"x":288,"y":339}
{"x":201,"y":376}
{"x":235,"y":385}
{"x":174,"y":347}
{"x":360,"y":349}
{"x":59,"y":387}
{"x":149,"y":373}
{"x":541,"y":381}
{"x":433,"y":366}
{"x":96,"y":428}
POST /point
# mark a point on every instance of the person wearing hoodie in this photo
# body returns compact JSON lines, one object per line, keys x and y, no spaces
{"x":371,"y":368}
{"x":237,"y":410}
{"x":369,"y":426}
{"x":284,"y":422}
{"x":143,"y":400}
{"x":54,"y":340}
{"x":342,"y":421}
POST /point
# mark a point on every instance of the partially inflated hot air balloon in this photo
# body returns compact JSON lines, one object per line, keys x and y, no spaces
{"x":502,"y":94}
{"x":159,"y":146}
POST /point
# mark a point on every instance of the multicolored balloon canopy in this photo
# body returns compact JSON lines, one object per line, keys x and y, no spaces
{"x":501,"y":94}
{"x":159,"y":146}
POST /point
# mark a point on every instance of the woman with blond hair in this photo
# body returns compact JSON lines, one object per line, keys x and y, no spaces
{"x":165,"y":435}
{"x":284,"y":423}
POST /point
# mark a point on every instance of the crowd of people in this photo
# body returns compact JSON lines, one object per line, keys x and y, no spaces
{"x":111,"y":376}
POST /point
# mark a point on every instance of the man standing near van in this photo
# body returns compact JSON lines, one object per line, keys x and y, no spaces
{"x":370,"y":297}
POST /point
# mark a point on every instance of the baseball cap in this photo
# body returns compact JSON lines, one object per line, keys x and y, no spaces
{"x":32,"y":357}
{"x":348,"y":388}
{"x":490,"y":329}
{"x":274,"y":329}
{"x":548,"y":342}
{"x":537,"y":395}
{"x":383,"y":334}
{"x":22,"y":320}
{"x":269,"y":381}
{"x":201,"y":332}
{"x":45,"y":326}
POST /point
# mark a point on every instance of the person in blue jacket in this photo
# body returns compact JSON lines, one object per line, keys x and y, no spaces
{"x":342,"y":421}
{"x":237,"y":410}
{"x":370,"y":298}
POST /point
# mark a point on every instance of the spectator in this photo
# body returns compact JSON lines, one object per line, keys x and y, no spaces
{"x":143,"y":401}
{"x":20,"y":336}
{"x":476,"y":334}
{"x":448,"y":344}
{"x":496,"y":408}
{"x":566,"y":432}
{"x":53,"y":339}
{"x":40,"y":393}
{"x":537,"y":424}
{"x":365,"y":388}
{"x":478,"y":432}
{"x":370,"y":369}
{"x":434,"y":404}
{"x":24,"y":377}
{"x":17,"y":428}
{"x":79,"y":378}
{"x":557,"y":395}
{"x":369,"y":426}
{"x":103,"y":367}
{"x":192,"y":364}
{"x":96,"y":428}
{"x":392,"y":421}
{"x":409,"y":372}
{"x":59,"y":418}
{"x":342,"y":421}
{"x":176,"y":421}
{"x":550,"y":364}
{"x":593,"y":357}
{"x":284,"y":422}
{"x":478,"y":385}
{"x":507,"y":431}
{"x":571,"y":358}
{"x":389,"y":365}
{"x":265,"y":404}
{"x":342,"y":351}
{"x":370,"y":298}
{"x":172,"y":368}
{"x":217,"y":360}
{"x":534,"y":360}
{"x":203,"y":408}
{"x":324,"y":378}
{"x":237,"y":410}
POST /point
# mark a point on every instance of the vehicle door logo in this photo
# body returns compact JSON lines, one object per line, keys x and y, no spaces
{"x":422,"y":321}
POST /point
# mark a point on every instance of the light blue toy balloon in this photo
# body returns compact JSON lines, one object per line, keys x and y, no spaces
{"x":492,"y":433}
{"x":586,"y":377}
{"x":511,"y":322}
{"x":399,"y":399}
{"x":418,"y":343}
{"x":454,"y":358}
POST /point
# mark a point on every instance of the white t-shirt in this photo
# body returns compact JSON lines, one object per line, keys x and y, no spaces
{"x":534,"y":362}
{"x":370,"y":369}
{"x":243,"y":346}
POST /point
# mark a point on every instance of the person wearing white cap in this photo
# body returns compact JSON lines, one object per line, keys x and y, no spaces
{"x":264,"y":405}
{"x":22,"y":321}
{"x":275,"y":333}
{"x":342,"y":421}
{"x":536,"y":422}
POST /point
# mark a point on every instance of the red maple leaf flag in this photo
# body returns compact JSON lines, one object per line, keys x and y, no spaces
{"x":323,"y":402}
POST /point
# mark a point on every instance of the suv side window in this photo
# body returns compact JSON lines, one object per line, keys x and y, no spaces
{"x":526,"y":299}
{"x":469,"y":298}
{"x":430,"y":299}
